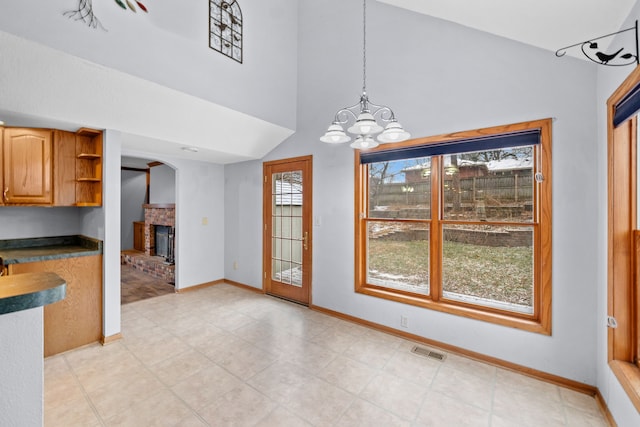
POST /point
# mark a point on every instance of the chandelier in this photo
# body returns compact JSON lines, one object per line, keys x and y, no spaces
{"x":364,"y":114}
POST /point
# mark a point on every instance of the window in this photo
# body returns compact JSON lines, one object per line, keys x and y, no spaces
{"x":460,"y":223}
{"x":624,"y":237}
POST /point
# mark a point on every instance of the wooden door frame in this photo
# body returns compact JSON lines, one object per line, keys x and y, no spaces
{"x":266,"y":235}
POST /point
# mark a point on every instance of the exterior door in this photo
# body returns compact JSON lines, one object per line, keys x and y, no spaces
{"x":287,"y":228}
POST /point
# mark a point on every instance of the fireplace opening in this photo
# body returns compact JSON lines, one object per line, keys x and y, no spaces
{"x":164,"y":242}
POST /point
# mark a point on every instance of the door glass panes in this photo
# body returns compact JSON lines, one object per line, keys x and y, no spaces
{"x":287,"y":238}
{"x":400,"y":189}
{"x":489,"y":265}
{"x":494,"y":185}
{"x":398,"y":255}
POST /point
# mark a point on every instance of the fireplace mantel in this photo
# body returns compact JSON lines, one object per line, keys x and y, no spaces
{"x":159,"y":206}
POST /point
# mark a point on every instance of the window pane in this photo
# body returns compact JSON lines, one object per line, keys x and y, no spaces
{"x":398,"y":256}
{"x":400,"y":189}
{"x":489,"y":265}
{"x":494,"y":185}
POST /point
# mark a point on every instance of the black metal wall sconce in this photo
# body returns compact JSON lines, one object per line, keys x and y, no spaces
{"x":620,"y":57}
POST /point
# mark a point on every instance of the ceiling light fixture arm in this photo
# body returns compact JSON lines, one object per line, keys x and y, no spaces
{"x":384,"y":113}
{"x":618,"y":58}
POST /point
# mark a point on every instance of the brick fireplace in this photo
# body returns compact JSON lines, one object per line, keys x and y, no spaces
{"x":155,"y":215}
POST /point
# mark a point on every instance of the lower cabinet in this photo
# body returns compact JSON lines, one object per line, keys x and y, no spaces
{"x":77,"y":319}
{"x":138,"y":236}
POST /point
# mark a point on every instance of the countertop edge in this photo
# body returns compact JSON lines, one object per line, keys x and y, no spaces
{"x":30,"y":290}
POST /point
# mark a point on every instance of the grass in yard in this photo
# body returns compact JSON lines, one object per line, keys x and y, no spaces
{"x":495,"y":273}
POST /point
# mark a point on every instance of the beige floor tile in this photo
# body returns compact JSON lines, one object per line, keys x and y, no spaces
{"x":117,"y":396}
{"x":204,"y":387}
{"x":439,"y":410}
{"x":319,"y":402}
{"x":280,"y":381}
{"x":579,"y":418}
{"x":76,"y":412}
{"x":160,"y":409}
{"x":412,"y":367}
{"x":242,"y":406}
{"x":524,"y":384}
{"x":157,"y":349}
{"x":244,"y":360}
{"x":280,"y":364}
{"x":348,"y":374}
{"x":373,"y":353}
{"x":464,"y":387}
{"x":580,"y":401}
{"x":179,"y":367}
{"x":280,"y":417}
{"x":310,"y":356}
{"x":527,"y":409}
{"x":364,"y":414}
{"x":334,"y":338}
{"x":401,"y":397}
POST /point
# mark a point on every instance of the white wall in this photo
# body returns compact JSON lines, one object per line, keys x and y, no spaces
{"x":162,"y":185}
{"x":27,"y":222}
{"x":439,"y":77}
{"x":21,"y":369}
{"x":169,"y":46}
{"x":133,"y":191}
{"x":609,"y":78}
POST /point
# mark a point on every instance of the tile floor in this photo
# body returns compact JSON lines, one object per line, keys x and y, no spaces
{"x":137,"y":285}
{"x":225,"y":356}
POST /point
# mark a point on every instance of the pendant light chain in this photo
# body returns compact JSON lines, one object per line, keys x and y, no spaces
{"x":364,"y":46}
{"x":366,"y":114}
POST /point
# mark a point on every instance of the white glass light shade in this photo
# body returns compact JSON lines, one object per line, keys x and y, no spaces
{"x":365,"y":125}
{"x":364,"y":142}
{"x":335,"y":135}
{"x":393,"y":132}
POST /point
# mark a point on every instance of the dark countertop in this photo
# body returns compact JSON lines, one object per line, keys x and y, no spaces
{"x":29,"y":290}
{"x":18,"y":251}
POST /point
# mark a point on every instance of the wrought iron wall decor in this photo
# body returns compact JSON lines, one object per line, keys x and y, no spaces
{"x":615,"y":58}
{"x":84,"y":13}
{"x":225,"y":28}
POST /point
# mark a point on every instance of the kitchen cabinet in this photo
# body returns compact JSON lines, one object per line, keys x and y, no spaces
{"x":51,"y":167}
{"x":76,"y":320}
{"x":27,"y":166}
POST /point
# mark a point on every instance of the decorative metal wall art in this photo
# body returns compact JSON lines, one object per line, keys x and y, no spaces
{"x":615,"y":58}
{"x":84,"y":13}
{"x":225,"y":28}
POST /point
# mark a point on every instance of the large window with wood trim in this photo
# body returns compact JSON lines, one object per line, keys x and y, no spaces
{"x":460,"y":223}
{"x":623,"y":308}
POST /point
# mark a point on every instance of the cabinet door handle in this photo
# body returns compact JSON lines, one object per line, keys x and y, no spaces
{"x":305,"y":239}
{"x":6,"y":190}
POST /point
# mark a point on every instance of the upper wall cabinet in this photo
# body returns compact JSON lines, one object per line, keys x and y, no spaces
{"x":51,"y":167}
{"x":27,"y":166}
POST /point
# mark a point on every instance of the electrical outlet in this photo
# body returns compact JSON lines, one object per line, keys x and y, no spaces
{"x":235,"y":265}
{"x":404,"y":322}
{"x":205,"y":220}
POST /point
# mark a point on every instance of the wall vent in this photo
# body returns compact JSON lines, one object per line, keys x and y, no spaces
{"x":425,"y":352}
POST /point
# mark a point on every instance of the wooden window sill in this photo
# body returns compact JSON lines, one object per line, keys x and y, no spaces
{"x":628,"y":375}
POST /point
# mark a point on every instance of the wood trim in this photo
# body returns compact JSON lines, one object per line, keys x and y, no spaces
{"x":534,"y":373}
{"x":303,"y":294}
{"x":605,"y":409}
{"x":243,"y":286}
{"x":152,"y":164}
{"x":628,"y":375}
{"x":128,"y":168}
{"x":111,"y":338}
{"x":200,"y":286}
{"x":540,"y":321}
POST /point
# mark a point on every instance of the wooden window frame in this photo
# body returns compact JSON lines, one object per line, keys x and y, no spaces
{"x":623,"y":245}
{"x":540,"y":320}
